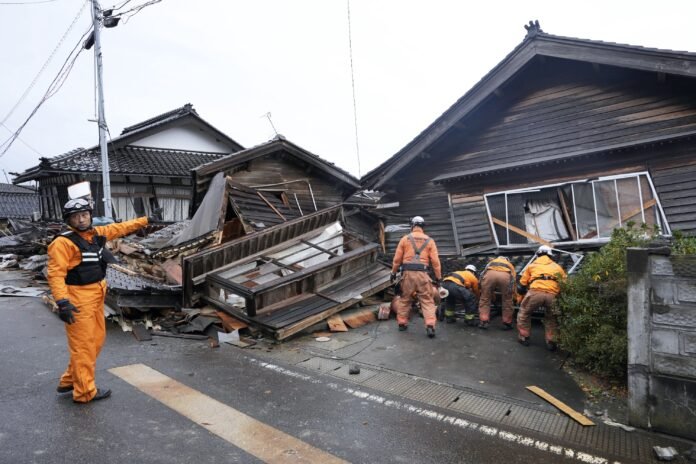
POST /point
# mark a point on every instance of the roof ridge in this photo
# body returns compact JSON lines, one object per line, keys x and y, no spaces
{"x":181,"y":111}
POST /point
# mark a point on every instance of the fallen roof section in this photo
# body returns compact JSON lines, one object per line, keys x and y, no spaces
{"x":287,"y":277}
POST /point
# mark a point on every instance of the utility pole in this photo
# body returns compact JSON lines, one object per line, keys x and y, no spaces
{"x":106,"y":182}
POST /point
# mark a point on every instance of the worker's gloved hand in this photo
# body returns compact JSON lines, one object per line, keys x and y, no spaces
{"x":66,"y":310}
{"x":156,"y":215}
{"x":392,"y":277}
{"x":521,"y":289}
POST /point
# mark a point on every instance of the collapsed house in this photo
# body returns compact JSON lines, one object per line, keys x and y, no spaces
{"x":560,"y":143}
{"x":149,"y":163}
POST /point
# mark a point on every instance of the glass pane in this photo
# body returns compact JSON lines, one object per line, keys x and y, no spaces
{"x":585,"y":211}
{"x":515,"y":215}
{"x":629,"y":200}
{"x":649,"y":203}
{"x":496,"y":205}
{"x":607,"y":208}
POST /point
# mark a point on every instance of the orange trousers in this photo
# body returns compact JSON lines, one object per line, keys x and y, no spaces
{"x":85,"y":339}
{"x":418,"y":283}
{"x":503,"y":282}
{"x":536,"y":299}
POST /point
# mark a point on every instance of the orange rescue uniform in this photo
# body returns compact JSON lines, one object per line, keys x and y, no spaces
{"x":416,"y":282}
{"x":499,"y":274}
{"x":86,"y":335}
{"x":542,"y":277}
{"x":468,"y":280}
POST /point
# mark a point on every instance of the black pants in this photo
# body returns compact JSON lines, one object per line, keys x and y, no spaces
{"x":459,"y":293}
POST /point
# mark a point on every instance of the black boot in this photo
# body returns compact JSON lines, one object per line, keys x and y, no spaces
{"x":551,"y":346}
{"x":523,"y":341}
{"x":450,"y":319}
{"x":402,"y":327}
{"x":430,"y":330}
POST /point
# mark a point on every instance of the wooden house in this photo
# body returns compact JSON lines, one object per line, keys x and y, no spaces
{"x":149,"y":163}
{"x":563,"y":141}
{"x":303,"y":181}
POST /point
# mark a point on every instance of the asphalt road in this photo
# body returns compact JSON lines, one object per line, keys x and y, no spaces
{"x":39,"y":426}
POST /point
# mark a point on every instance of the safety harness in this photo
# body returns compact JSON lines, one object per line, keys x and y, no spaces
{"x":92,"y":267}
{"x":459,"y":278}
{"x":415,"y":264}
{"x":543,"y":277}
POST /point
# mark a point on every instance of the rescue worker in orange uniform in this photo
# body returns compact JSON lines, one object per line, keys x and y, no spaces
{"x":542,"y":278}
{"x":76,"y":271}
{"x":461,"y":286}
{"x":500,"y":275}
{"x":416,"y":255}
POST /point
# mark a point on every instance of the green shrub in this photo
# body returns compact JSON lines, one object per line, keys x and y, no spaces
{"x":593,"y":304}
{"x":683,"y":244}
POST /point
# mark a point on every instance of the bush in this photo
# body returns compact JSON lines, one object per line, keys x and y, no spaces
{"x":593,"y":304}
{"x":683,"y":244}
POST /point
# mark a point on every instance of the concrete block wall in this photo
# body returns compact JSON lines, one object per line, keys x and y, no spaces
{"x":662,"y":341}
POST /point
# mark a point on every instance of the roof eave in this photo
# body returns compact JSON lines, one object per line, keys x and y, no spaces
{"x":542,"y":44}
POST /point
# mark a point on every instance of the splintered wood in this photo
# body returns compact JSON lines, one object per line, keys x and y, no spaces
{"x":229,"y":323}
{"x":359,"y":318}
{"x":336,"y":324}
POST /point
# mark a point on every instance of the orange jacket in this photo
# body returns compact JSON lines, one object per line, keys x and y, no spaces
{"x":64,"y":255}
{"x":503,"y":265}
{"x":541,"y":267}
{"x":405,"y":252}
{"x":470,"y":281}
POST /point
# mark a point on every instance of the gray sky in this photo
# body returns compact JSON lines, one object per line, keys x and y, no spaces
{"x":237,"y":60}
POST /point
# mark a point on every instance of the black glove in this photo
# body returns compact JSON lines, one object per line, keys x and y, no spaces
{"x":156,"y":215}
{"x":521,"y":289}
{"x":392,"y":277}
{"x":66,"y":310}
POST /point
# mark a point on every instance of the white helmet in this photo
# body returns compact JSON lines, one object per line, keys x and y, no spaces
{"x":417,"y":221}
{"x":471,"y":268}
{"x":545,"y":250}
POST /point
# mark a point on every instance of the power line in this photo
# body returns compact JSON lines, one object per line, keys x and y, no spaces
{"x":48,"y":60}
{"x":20,"y":139}
{"x":352,"y":80}
{"x":53,"y":88}
{"x":28,"y":3}
{"x":135,"y":10}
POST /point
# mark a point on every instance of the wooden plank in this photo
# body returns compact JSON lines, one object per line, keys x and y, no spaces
{"x":582,"y":420}
{"x":336,"y":324}
{"x":359,"y":318}
{"x":566,"y":215}
{"x":306,"y":242}
{"x":521,"y":232}
{"x":271,"y":206}
{"x":229,"y":323}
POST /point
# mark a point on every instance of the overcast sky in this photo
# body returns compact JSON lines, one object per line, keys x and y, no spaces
{"x":235,"y":61}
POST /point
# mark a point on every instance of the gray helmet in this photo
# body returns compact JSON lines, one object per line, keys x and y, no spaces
{"x":470,"y":267}
{"x":417,"y":221}
{"x":76,"y":206}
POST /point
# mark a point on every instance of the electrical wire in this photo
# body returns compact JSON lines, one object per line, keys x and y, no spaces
{"x":52,"y":89}
{"x":352,"y":80}
{"x":125,"y":16}
{"x":48,"y":60}
{"x":21,"y":140}
{"x":28,"y":3}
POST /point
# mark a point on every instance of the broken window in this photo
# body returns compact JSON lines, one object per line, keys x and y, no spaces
{"x":586,"y":210}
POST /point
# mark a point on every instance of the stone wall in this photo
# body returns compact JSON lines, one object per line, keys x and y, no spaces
{"x":662,"y":341}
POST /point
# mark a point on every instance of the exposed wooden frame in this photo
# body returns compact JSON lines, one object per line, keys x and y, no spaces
{"x":521,"y":232}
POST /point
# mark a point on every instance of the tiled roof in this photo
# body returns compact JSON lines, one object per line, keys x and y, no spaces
{"x":133,"y":160}
{"x":18,"y":205}
{"x":10,"y":188}
{"x":161,"y":119}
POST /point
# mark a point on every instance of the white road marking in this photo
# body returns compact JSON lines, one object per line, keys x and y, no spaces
{"x":256,"y":438}
{"x":458,"y":422}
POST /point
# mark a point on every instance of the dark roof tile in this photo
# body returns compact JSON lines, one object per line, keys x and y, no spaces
{"x":135,"y":160}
